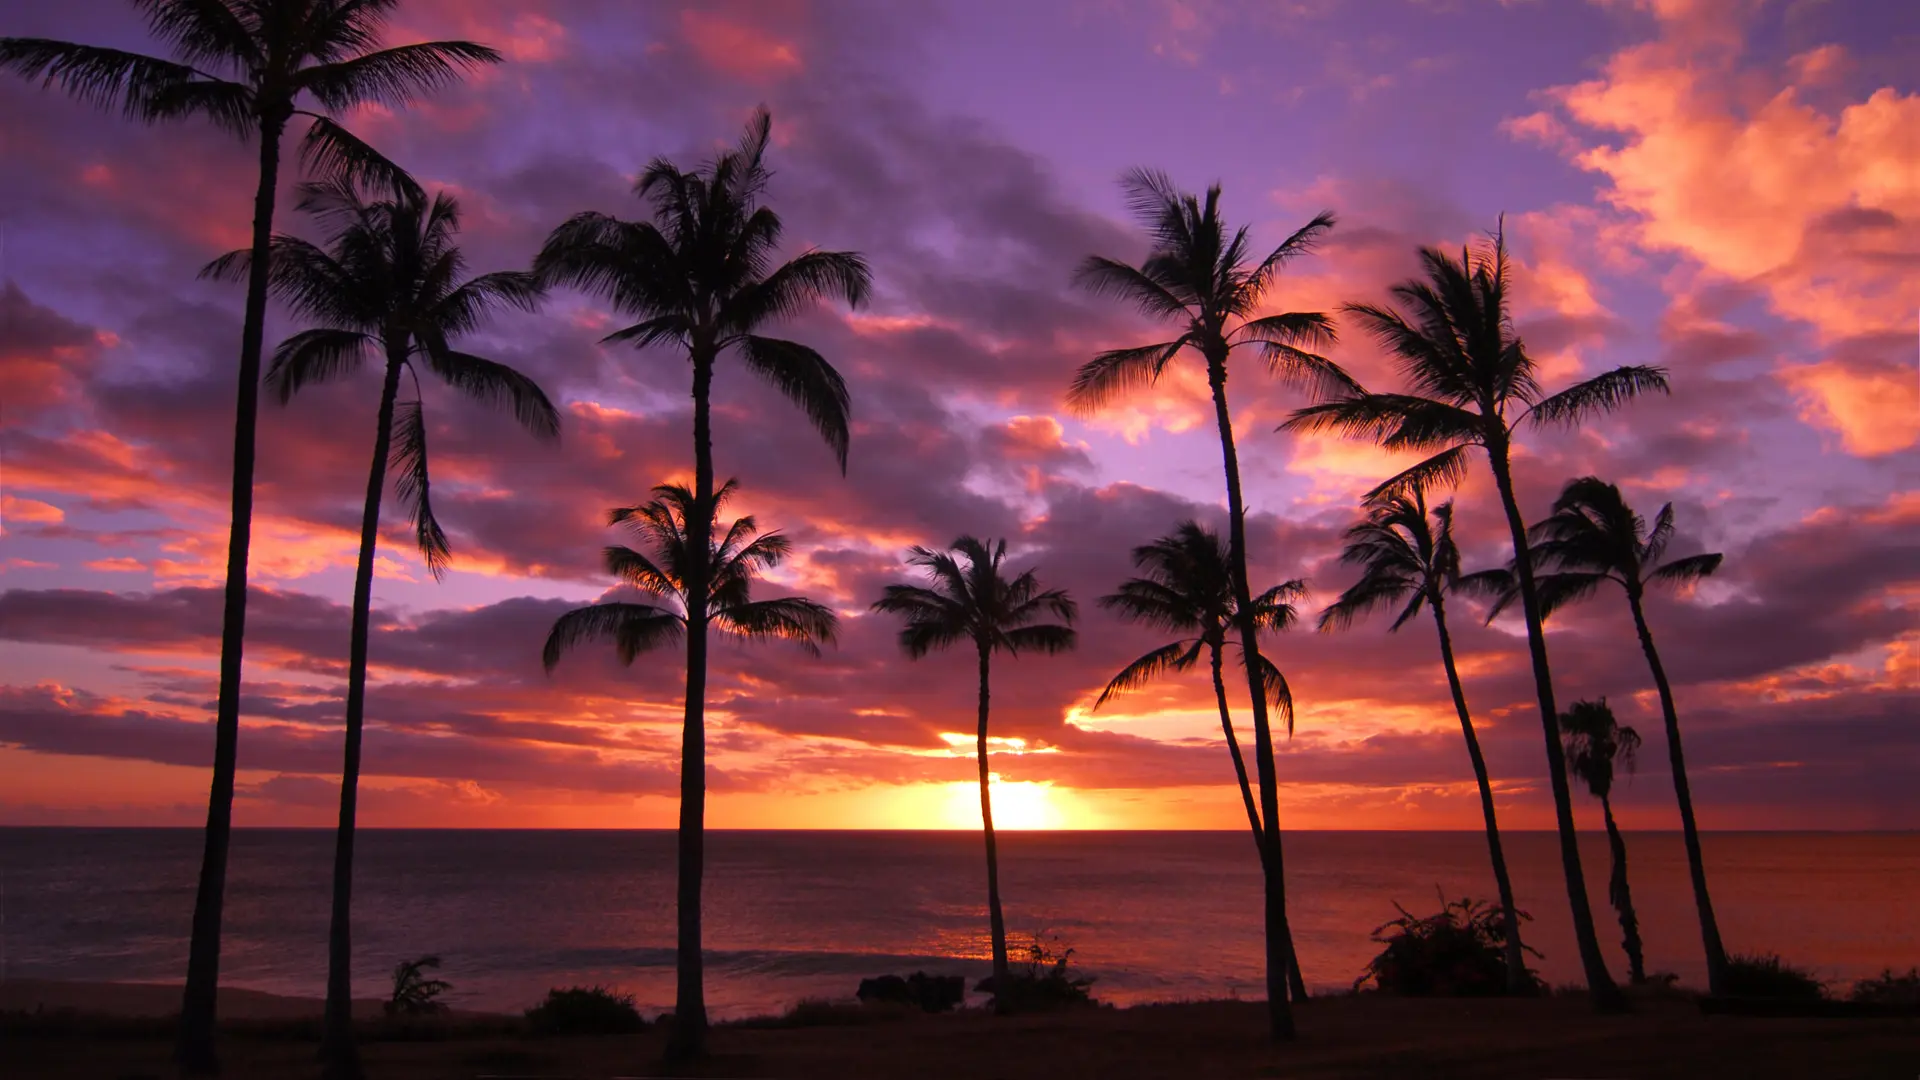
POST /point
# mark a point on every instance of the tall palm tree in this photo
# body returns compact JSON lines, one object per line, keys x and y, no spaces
{"x":1593,"y":537}
{"x":1409,"y":560}
{"x":700,"y":277}
{"x":1187,"y":589}
{"x":1596,"y":743}
{"x":694,"y":569}
{"x":969,"y":598}
{"x":249,"y":67}
{"x":1472,"y":384}
{"x":1202,"y":277}
{"x":388,"y":283}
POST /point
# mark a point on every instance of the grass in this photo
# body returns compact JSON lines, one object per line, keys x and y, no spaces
{"x":1365,"y":1035}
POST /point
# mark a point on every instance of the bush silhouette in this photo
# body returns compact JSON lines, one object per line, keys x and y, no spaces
{"x":1458,"y":952}
{"x":1765,"y":975}
{"x":1045,"y":981}
{"x":928,"y":993}
{"x":1888,"y":988}
{"x":585,"y":1010}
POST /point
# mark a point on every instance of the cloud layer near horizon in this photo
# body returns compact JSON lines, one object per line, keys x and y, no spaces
{"x":1719,"y":187}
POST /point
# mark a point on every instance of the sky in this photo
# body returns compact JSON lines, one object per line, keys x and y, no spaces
{"x":1726,"y":188}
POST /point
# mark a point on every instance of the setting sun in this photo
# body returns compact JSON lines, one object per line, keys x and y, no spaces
{"x":1017,"y":804}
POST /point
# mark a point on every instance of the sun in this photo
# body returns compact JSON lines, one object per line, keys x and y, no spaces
{"x":1017,"y":804}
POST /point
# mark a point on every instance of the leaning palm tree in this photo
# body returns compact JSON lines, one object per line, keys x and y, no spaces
{"x":1187,"y":589}
{"x":1596,"y":743}
{"x":388,"y":284}
{"x":970,"y":599}
{"x":700,"y":277}
{"x":249,"y":67}
{"x":1593,"y":537}
{"x":1472,"y":384}
{"x":1203,"y":278}
{"x":1408,"y":560}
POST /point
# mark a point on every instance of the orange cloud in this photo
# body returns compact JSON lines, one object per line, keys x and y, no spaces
{"x":737,"y":48}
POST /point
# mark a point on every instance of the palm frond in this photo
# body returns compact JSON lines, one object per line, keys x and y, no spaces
{"x":394,"y":76}
{"x":789,"y":618}
{"x":1443,"y":470}
{"x":637,"y":569}
{"x":412,"y":481}
{"x":797,"y":285}
{"x":1046,"y":638}
{"x":1687,"y":570}
{"x":315,"y":356}
{"x":1602,"y":393}
{"x":1275,"y":685}
{"x":330,"y":150}
{"x":1558,"y":590}
{"x":1116,"y":280}
{"x":1177,"y":656}
{"x":1117,"y":372}
{"x":633,"y":629}
{"x":497,"y":385}
{"x":102,"y":78}
{"x":808,"y":381}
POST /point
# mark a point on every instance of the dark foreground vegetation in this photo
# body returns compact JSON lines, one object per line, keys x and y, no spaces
{"x":1360,"y":1035}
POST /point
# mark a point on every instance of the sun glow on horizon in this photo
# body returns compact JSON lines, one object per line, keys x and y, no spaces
{"x":1018,"y":805}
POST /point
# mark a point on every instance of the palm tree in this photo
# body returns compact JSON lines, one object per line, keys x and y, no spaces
{"x":1472,"y":384}
{"x":1187,"y":589}
{"x":1202,"y":278}
{"x":388,"y":283}
{"x":699,"y":277}
{"x":688,"y":550}
{"x":969,"y":598}
{"x":1591,"y":538}
{"x":249,"y":67}
{"x":1408,"y":561}
{"x":1595,"y":744}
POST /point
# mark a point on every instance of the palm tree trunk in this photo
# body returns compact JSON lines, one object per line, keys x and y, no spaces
{"x":689,"y":1038}
{"x":1606,"y":996}
{"x":194,"y":1050}
{"x":1622,"y":898}
{"x":1683,"y":794}
{"x":1517,"y":981}
{"x":1239,"y":765}
{"x":1281,"y":966}
{"x":996,"y":922}
{"x":337,"y":1049}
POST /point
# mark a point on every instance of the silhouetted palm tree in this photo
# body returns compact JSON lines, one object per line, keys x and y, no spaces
{"x":700,"y":276}
{"x":1591,"y":538}
{"x":1472,"y":384}
{"x":1202,"y":278}
{"x":1187,"y":589}
{"x":1595,"y":744}
{"x":1408,"y":562}
{"x":970,"y":599}
{"x":388,"y":283}
{"x":249,"y":67}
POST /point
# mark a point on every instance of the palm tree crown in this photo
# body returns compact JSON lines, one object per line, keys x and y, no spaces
{"x":1596,"y":744}
{"x":739,"y":554}
{"x":249,"y":65}
{"x":701,"y":274}
{"x":1406,"y":560}
{"x":390,"y":283}
{"x":970,"y":599}
{"x":1593,"y":537}
{"x":1186,"y":588}
{"x":1472,"y":381}
{"x":1206,"y":283}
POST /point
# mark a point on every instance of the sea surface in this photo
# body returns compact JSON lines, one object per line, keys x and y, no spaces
{"x":793,"y":915}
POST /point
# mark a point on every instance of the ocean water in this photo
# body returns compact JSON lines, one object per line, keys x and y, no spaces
{"x":792,"y":915}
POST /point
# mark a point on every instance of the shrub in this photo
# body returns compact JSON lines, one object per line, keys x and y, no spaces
{"x":1765,"y":975}
{"x":822,"y":1012}
{"x":1045,"y":981}
{"x":1888,"y":988}
{"x":585,"y":1010}
{"x":928,"y":993}
{"x":414,"y":993}
{"x":1459,"y":952}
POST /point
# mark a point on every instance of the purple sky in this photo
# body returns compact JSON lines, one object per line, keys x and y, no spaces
{"x":1726,"y":187}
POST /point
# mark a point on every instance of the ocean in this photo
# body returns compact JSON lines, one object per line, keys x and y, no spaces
{"x":793,"y":915}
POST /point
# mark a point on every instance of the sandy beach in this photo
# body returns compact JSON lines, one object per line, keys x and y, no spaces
{"x":1339,"y":1037}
